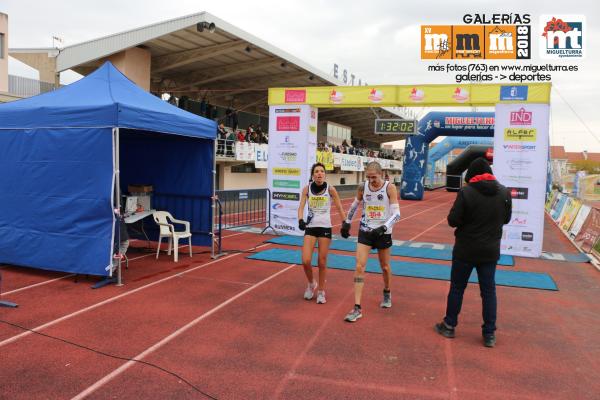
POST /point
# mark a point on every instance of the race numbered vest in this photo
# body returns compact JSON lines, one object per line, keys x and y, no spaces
{"x":376,"y":208}
{"x":319,"y":208}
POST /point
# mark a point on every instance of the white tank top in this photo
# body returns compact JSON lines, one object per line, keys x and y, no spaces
{"x":319,"y":208}
{"x":376,"y":208}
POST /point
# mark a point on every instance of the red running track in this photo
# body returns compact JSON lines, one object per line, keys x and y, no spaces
{"x":239,"y":329}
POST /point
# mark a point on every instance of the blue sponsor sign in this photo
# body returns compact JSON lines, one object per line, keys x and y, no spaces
{"x":513,"y":93}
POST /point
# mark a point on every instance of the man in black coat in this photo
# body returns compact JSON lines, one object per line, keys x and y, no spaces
{"x":479,"y":211}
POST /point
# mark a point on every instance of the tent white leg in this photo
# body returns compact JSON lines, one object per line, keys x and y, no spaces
{"x":118,"y":198}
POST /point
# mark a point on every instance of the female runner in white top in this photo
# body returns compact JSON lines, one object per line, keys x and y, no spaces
{"x":319,"y":196}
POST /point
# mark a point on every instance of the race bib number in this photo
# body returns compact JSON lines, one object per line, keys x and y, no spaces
{"x":376,"y":212}
{"x":318,"y":203}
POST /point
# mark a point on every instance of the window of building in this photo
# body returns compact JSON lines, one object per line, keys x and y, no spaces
{"x":1,"y":45}
{"x":244,"y":168}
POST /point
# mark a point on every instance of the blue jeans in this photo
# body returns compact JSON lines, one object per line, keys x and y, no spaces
{"x":487,"y":287}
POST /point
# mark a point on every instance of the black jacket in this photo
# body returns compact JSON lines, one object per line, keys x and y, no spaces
{"x":478,"y":213}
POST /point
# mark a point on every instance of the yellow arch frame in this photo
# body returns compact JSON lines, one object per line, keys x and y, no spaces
{"x":467,"y":95}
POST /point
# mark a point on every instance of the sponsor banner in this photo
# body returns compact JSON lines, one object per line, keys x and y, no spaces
{"x":558,"y":206}
{"x":288,"y":205}
{"x":286,"y":183}
{"x":519,"y":134}
{"x":284,"y":225}
{"x":287,"y":171}
{"x":288,"y":123}
{"x":569,"y":213}
{"x":582,"y":215}
{"x":326,"y":158}
{"x":550,"y":200}
{"x":520,"y":164}
{"x":514,"y":93}
{"x":385,"y":164}
{"x":411,"y":95}
{"x":245,"y":151}
{"x":577,"y":183}
{"x":351,"y":163}
{"x":261,"y":155}
{"x":289,"y":196}
{"x":292,"y":151}
{"x":590,"y":231}
{"x":286,"y":156}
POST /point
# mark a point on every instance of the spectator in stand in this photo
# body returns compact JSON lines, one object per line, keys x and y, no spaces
{"x":230,"y":140}
{"x":222,"y":135}
{"x":248,"y":133}
{"x":240,"y":136}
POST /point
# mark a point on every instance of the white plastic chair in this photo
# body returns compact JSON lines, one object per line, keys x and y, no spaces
{"x":167,"y":230}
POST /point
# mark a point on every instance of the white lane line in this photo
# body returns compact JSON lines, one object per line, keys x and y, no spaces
{"x":107,"y":378}
{"x":112,"y":299}
{"x":428,"y":229}
{"x":37,"y":284}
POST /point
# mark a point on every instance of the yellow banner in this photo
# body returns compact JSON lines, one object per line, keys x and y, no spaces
{"x":325,"y":158}
{"x":411,"y":95}
{"x":286,"y":171}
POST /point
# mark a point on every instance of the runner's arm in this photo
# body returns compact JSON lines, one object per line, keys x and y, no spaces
{"x":303,"y":197}
{"x":394,"y":207}
{"x":354,"y":206}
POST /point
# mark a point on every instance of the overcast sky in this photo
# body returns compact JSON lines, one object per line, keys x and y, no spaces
{"x":378,"y":41}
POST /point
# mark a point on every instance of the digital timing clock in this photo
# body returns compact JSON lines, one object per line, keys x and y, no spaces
{"x":396,"y":126}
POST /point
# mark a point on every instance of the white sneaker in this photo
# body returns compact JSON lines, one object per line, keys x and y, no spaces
{"x":321,"y":297}
{"x":310,"y":291}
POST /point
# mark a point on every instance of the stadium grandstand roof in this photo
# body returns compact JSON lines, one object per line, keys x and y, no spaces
{"x":229,"y":67}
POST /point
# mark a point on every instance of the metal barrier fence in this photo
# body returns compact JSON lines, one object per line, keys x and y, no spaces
{"x":239,"y":208}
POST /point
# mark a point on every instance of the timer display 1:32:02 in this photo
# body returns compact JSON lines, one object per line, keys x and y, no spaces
{"x":398,"y":126}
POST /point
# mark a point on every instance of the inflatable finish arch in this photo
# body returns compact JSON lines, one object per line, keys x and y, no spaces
{"x":446,"y":146}
{"x":434,"y":124}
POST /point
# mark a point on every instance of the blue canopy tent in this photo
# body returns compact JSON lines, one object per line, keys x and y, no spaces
{"x":66,"y":155}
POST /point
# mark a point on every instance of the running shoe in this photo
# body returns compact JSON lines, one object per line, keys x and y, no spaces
{"x":310,"y":291}
{"x":321,"y":297}
{"x":353,"y":315}
{"x":387,"y":299}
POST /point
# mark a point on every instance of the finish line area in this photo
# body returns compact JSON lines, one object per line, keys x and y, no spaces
{"x":239,"y":328}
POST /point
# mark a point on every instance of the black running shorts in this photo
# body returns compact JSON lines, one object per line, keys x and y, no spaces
{"x":383,"y":242}
{"x":318,"y":232}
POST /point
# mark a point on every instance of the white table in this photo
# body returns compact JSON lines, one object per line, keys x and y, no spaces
{"x":137,"y":216}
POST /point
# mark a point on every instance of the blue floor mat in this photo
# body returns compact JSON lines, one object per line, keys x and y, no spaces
{"x":568,"y":257}
{"x":531,"y":280}
{"x":404,"y":251}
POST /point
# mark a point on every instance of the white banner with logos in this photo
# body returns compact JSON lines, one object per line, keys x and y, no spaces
{"x":261,"y":158}
{"x":520,"y":163}
{"x":351,"y":163}
{"x":259,"y":153}
{"x":292,"y":151}
{"x":244,"y":151}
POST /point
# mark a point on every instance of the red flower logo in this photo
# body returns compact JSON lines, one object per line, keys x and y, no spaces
{"x":556,"y":25}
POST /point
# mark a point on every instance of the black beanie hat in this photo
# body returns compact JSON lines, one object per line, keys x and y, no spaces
{"x":478,"y":166}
